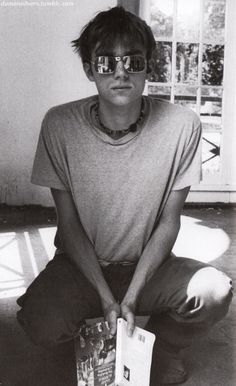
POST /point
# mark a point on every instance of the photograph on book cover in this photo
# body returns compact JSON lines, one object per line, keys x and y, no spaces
{"x":106,"y":360}
{"x":95,"y":350}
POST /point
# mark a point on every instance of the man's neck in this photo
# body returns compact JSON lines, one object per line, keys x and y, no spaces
{"x":119,"y":117}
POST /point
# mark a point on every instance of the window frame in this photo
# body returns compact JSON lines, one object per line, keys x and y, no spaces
{"x":219,"y":186}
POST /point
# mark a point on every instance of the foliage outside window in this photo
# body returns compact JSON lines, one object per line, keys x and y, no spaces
{"x":189,"y":63}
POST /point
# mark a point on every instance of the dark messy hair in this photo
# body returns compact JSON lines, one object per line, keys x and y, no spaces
{"x":111,"y":26}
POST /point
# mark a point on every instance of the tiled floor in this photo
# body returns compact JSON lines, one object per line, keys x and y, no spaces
{"x":26,"y":245}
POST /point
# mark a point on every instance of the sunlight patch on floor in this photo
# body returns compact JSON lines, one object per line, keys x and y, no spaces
{"x":12,"y":293}
{"x":47,"y":237}
{"x":200,"y":242}
{"x":10,"y":259}
{"x":31,"y":254}
{"x":19,"y":256}
{"x":11,"y":270}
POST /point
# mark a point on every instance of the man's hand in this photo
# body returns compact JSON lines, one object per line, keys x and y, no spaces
{"x":114,"y":311}
{"x":111,"y":314}
{"x":127,"y":312}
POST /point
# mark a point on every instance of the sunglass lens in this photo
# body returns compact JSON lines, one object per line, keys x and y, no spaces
{"x":104,"y":64}
{"x":107,"y":64}
{"x":136,"y":63}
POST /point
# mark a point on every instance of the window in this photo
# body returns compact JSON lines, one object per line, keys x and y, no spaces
{"x":189,"y":65}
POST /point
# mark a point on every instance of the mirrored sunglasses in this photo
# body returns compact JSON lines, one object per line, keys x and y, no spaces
{"x":107,"y":64}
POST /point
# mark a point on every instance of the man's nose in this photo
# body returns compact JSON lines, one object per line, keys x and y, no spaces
{"x":120,"y":71}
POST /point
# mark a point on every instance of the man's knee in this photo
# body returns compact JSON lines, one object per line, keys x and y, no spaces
{"x":46,"y":328}
{"x":212,"y":291}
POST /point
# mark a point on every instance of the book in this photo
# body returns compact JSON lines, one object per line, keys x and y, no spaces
{"x":106,"y":360}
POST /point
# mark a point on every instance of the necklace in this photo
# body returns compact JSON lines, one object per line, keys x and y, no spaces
{"x":116,"y":134}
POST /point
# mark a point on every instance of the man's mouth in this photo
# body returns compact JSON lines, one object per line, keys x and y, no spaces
{"x":120,"y":87}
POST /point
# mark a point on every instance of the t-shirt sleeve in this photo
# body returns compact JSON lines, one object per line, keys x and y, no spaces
{"x":49,"y":163}
{"x":190,"y":168}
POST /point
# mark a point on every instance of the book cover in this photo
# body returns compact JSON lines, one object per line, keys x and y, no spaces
{"x":106,"y":360}
{"x":95,"y":351}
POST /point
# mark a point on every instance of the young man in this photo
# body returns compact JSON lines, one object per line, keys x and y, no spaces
{"x":120,"y":166}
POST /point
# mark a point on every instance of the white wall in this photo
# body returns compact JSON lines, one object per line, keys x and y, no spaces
{"x":38,"y":70}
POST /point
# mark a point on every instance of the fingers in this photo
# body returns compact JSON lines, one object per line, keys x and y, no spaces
{"x":112,"y":321}
{"x":113,"y":312}
{"x":130,"y":323}
{"x":128,"y":315}
{"x":111,"y":315}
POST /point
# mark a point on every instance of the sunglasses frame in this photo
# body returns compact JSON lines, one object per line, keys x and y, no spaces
{"x":117,"y":59}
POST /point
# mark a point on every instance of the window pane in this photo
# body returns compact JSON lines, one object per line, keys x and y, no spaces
{"x":186,"y":96}
{"x":212,"y":92}
{"x":187,"y":63}
{"x":211,"y":123}
{"x":211,"y":108}
{"x":184,"y":101}
{"x":162,"y":18}
{"x":188,"y":20}
{"x":214,"y":20}
{"x":212,"y":64}
{"x":211,"y":152}
{"x":162,"y":92}
{"x":186,"y":90}
{"x":162,"y":63}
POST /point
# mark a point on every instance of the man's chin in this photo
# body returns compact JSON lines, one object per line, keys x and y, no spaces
{"x":123,"y":100}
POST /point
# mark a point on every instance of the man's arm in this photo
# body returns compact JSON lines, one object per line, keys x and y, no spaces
{"x":80,"y":250}
{"x":155,"y":253}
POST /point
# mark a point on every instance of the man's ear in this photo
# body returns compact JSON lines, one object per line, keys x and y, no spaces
{"x":88,"y":71}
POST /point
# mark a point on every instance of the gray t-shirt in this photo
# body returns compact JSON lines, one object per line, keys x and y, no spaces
{"x":119,"y":187}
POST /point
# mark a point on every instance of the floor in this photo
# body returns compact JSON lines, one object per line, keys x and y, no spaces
{"x":26,"y":245}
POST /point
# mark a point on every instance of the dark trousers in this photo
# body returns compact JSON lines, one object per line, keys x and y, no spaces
{"x":184,"y":297}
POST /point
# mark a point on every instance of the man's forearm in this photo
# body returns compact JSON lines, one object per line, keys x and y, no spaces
{"x":159,"y":246}
{"x":155,"y":253}
{"x":81,"y":252}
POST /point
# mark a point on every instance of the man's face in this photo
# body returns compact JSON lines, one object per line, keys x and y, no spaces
{"x":120,"y":87}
